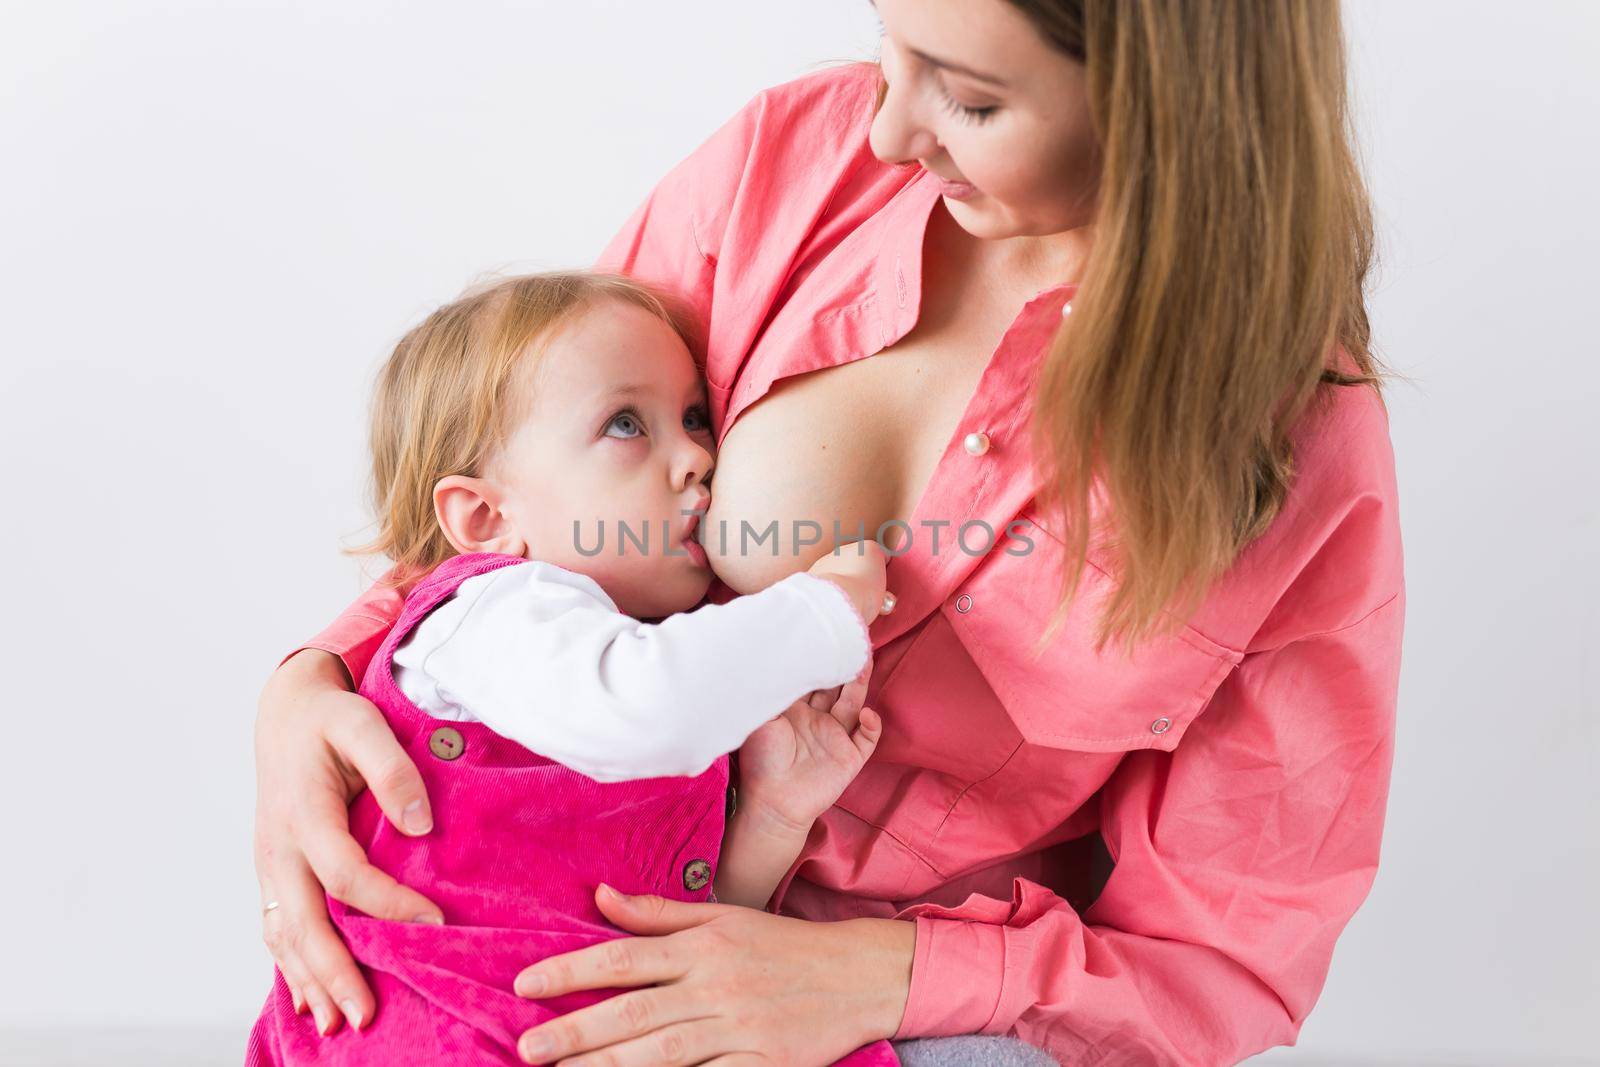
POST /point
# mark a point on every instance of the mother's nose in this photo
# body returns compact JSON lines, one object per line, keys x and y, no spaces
{"x":899,"y":134}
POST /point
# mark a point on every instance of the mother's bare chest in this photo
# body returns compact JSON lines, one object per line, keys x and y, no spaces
{"x":856,"y":443}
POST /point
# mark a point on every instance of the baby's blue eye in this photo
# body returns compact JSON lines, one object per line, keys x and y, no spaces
{"x":628,"y":420}
{"x":696,"y":420}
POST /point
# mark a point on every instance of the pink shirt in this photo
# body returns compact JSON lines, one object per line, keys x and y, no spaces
{"x":1236,"y":771}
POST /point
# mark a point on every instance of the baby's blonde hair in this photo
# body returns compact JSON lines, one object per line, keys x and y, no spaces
{"x":449,"y":395}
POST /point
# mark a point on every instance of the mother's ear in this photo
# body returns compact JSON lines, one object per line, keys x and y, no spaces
{"x":468,"y":510}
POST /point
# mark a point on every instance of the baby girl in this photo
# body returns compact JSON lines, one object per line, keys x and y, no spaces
{"x":542,"y":452}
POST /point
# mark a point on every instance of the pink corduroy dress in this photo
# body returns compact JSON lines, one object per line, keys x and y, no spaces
{"x":518,"y":846}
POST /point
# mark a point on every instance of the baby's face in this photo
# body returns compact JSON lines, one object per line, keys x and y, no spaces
{"x":616,"y":441}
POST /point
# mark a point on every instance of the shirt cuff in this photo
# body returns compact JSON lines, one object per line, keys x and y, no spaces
{"x":353,"y":640}
{"x":957,"y":975}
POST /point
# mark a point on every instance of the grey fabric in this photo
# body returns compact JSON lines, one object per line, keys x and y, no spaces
{"x":975,"y":1050}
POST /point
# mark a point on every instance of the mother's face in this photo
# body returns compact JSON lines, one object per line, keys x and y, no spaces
{"x":979,"y":98}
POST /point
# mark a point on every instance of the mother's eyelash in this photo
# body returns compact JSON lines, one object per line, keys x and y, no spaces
{"x":977,"y":115}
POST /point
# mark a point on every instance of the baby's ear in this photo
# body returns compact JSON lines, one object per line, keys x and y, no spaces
{"x":468,"y":511}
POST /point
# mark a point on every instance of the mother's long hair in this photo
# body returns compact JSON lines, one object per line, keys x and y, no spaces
{"x":1232,"y":242}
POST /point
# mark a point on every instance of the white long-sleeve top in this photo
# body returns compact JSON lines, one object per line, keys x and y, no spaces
{"x":541,"y":655}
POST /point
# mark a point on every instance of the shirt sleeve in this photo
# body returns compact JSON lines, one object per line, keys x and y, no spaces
{"x":747,"y":199}
{"x":355,"y":635}
{"x":1240,"y":856}
{"x":543,"y":661}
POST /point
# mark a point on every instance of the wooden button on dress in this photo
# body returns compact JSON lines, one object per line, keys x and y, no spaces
{"x":447,"y":743}
{"x":696,"y":875}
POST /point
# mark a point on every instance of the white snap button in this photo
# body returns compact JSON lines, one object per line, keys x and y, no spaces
{"x":963,"y":603}
{"x":976,"y":444}
{"x":1161,"y":725}
{"x":888,"y":603}
{"x":1066,"y":309}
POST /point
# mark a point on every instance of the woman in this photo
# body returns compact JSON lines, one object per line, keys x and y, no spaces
{"x":1190,"y":680}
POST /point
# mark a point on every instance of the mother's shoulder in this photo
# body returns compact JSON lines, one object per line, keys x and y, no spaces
{"x":843,"y":91}
{"x":1341,"y":446}
{"x":814,"y":127}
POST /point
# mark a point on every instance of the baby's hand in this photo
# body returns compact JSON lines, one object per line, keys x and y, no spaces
{"x":797,"y":765}
{"x":860,"y":568}
{"x":843,"y":700}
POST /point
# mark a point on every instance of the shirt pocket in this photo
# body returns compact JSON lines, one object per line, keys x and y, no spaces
{"x":1067,"y":695}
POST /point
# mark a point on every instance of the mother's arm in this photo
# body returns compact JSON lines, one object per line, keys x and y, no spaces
{"x":1240,"y":856}
{"x":317,"y":745}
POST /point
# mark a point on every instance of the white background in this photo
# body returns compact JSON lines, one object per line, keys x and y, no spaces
{"x":216,"y":217}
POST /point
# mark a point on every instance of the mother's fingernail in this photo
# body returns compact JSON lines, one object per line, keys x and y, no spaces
{"x":323,"y":1017}
{"x":535,"y":1048}
{"x":532,"y":985}
{"x":351,"y":1012}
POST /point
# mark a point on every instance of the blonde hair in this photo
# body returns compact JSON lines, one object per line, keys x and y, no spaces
{"x":1232,"y":242}
{"x":449,"y":395}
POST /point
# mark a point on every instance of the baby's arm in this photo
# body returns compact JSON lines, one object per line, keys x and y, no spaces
{"x":757,"y":850}
{"x":791,"y":771}
{"x":542,"y":656}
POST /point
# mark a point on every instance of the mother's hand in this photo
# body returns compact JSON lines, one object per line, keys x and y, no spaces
{"x":726,"y":985}
{"x":317,"y":745}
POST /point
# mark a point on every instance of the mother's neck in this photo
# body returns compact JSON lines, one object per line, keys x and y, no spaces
{"x":1026,"y":263}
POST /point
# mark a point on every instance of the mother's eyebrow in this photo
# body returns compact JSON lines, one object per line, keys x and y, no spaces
{"x":945,"y":64}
